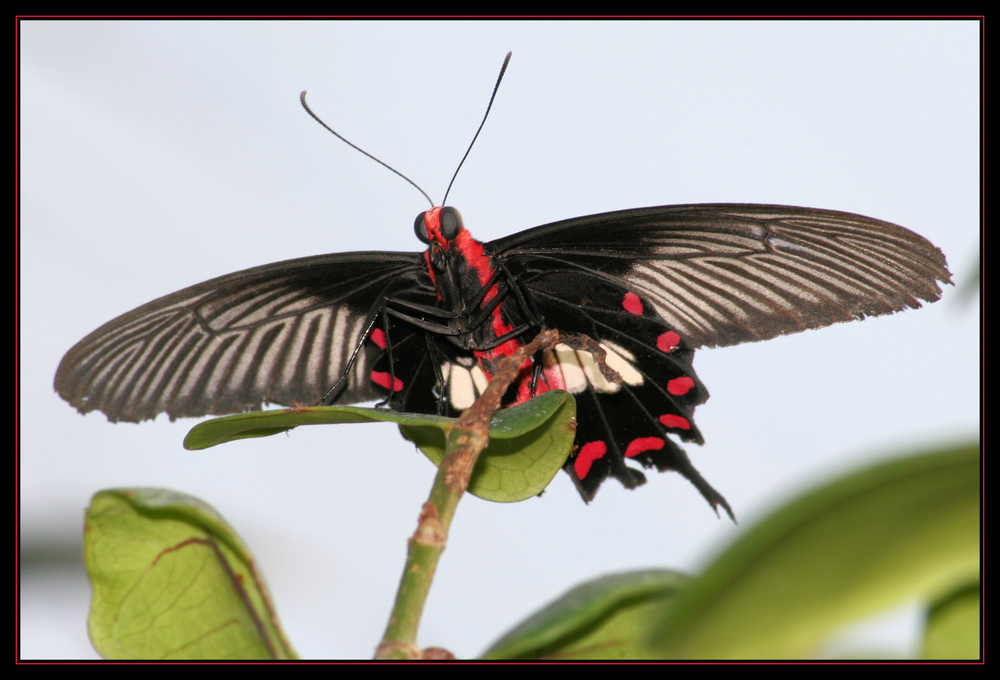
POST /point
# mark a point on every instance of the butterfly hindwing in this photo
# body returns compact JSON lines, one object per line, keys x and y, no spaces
{"x":630,"y":420}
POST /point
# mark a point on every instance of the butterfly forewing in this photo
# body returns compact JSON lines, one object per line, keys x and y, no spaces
{"x":730,"y":273}
{"x":281,"y":333}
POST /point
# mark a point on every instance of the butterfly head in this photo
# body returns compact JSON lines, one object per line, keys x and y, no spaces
{"x":439,"y":225}
{"x":442,"y":230}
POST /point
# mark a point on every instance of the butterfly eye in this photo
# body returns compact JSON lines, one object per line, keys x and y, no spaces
{"x":420,"y":227}
{"x":451,"y":222}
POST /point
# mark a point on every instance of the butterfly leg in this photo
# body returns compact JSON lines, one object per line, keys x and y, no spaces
{"x":338,"y":387}
{"x":441,"y":387}
{"x":524,"y":299}
{"x":385,"y":309}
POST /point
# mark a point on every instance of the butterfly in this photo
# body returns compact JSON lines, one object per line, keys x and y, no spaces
{"x":633,"y":294}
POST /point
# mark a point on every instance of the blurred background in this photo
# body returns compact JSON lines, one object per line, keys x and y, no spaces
{"x":156,"y":155}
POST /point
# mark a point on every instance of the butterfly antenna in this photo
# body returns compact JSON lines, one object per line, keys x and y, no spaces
{"x":492,"y":97}
{"x":302,"y":98}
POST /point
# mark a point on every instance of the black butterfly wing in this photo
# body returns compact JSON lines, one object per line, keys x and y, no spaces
{"x":282,"y":333}
{"x":722,"y":274}
{"x":655,"y":283}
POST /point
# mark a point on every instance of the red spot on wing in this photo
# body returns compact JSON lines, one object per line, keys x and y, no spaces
{"x":668,"y":342}
{"x":586,"y":456}
{"x":678,"y":422}
{"x":679,"y":386}
{"x":378,"y":337}
{"x":637,"y":446}
{"x":382,"y":378}
{"x":632,"y":304}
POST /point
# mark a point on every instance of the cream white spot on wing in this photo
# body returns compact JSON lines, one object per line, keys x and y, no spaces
{"x":572,"y":370}
{"x":580,"y":370}
{"x":464,"y":384}
{"x":621,"y":360}
{"x":461,"y":391}
{"x":479,"y":379}
{"x":594,"y":375}
{"x":621,"y":351}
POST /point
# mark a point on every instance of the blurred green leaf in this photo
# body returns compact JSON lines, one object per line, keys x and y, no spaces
{"x":601,"y":619}
{"x":528,"y":443}
{"x":954,"y":625}
{"x":900,"y":530}
{"x":896,"y":531}
{"x":172,"y":580}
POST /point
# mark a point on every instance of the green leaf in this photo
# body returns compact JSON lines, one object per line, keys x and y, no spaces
{"x":266,"y":423}
{"x":601,"y":619}
{"x":528,"y":443}
{"x":954,"y":625}
{"x":172,"y":580}
{"x":897,"y":531}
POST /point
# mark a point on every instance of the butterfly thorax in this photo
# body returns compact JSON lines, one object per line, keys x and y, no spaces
{"x":465,"y":278}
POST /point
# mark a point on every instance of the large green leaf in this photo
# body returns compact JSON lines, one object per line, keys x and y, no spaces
{"x":901,"y":530}
{"x":607,"y":618}
{"x":172,"y":580}
{"x":528,"y":443}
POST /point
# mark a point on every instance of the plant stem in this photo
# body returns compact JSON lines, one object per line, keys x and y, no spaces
{"x":468,"y":437}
